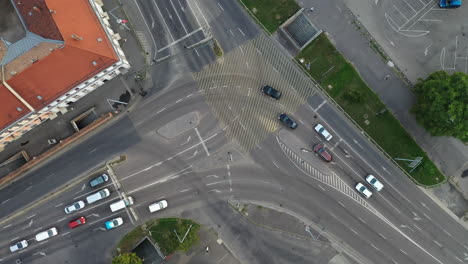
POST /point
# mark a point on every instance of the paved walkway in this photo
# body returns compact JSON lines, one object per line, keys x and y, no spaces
{"x":351,"y":39}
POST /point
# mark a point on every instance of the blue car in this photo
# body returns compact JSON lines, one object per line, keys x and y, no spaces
{"x":450,"y":3}
{"x":111,"y":224}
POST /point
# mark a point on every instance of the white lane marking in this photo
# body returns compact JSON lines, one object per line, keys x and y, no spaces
{"x":354,"y":231}
{"x":426,"y":216}
{"x":382,"y":236}
{"x":425,"y":206}
{"x":232,"y":33}
{"x":242,"y":126}
{"x":334,"y":216}
{"x":178,"y":101}
{"x":202,"y":142}
{"x":189,"y":95}
{"x":258,"y":146}
{"x":28,"y":188}
{"x":31,"y":216}
{"x":181,"y":152}
{"x":218,"y":182}
{"x":437,"y":243}
{"x":170,"y":177}
{"x":161,"y":110}
{"x":220,"y":7}
{"x":276,"y":165}
{"x":360,"y":219}
{"x":341,"y":204}
{"x":229,"y":177}
{"x":418,"y":227}
{"x":185,"y":190}
{"x":66,"y":233}
{"x":92,"y":150}
{"x":159,"y":11}
{"x":242,"y":32}
{"x":7,"y":226}
{"x":445,"y":231}
{"x":214,"y":190}
{"x":320,"y":186}
{"x":62,"y":219}
{"x":5,"y":201}
{"x":177,"y":13}
{"x":37,"y":229}
{"x":372,"y":245}
{"x":16,"y":238}
{"x":214,"y":176}
{"x":320,"y":105}
{"x":459,"y":259}
{"x":403,"y":252}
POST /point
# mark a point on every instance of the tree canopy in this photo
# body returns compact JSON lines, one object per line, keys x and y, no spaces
{"x":442,"y":106}
{"x":127,"y":258}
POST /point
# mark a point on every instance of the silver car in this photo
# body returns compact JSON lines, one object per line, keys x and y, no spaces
{"x":323,"y":132}
{"x":74,"y":207}
{"x":19,"y":246}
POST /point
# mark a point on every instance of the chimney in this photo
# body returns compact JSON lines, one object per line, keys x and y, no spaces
{"x":35,"y":8}
{"x":52,"y":11}
{"x":76,"y":37}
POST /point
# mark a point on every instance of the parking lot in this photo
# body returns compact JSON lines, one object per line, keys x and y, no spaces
{"x":418,"y":35}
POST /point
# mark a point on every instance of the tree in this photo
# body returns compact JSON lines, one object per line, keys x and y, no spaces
{"x":127,"y":258}
{"x":442,"y":106}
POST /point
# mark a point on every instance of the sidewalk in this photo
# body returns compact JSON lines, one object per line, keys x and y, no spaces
{"x":353,"y":41}
{"x":36,"y":141}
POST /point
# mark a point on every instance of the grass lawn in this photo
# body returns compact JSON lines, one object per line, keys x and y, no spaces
{"x":162,"y":231}
{"x":328,"y":67}
{"x":272,"y":13}
{"x":129,"y":240}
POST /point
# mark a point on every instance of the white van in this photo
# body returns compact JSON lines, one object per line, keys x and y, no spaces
{"x":98,"y":196}
{"x":121,"y":204}
{"x":46,"y":234}
{"x":157,"y":206}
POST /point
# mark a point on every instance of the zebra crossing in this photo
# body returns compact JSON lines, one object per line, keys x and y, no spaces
{"x":331,"y":179}
{"x":232,"y":84}
{"x":145,"y":45}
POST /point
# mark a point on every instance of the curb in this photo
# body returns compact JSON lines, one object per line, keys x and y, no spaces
{"x":9,"y":178}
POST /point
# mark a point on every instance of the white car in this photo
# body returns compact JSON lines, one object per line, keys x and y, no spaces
{"x":74,"y":207}
{"x":376,"y":184}
{"x":19,"y":246}
{"x":363,"y":190}
{"x":157,"y":206}
{"x":46,"y":234}
{"x":111,"y":224}
{"x":323,"y":132}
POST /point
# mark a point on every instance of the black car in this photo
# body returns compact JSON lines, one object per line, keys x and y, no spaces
{"x":268,"y":90}
{"x":287,"y":121}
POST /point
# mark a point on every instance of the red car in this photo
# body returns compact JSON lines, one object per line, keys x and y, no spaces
{"x":77,"y":222}
{"x":320,"y":149}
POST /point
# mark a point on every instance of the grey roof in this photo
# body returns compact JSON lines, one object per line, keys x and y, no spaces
{"x":23,"y":45}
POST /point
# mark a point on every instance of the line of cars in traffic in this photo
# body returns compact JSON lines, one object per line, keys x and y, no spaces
{"x":92,"y":198}
{"x":320,"y":148}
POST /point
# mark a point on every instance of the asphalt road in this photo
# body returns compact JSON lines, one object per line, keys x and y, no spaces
{"x":195,"y":172}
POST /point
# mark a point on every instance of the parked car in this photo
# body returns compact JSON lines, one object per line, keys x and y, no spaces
{"x":74,"y":207}
{"x":99,"y":180}
{"x":98,"y":196}
{"x":157,"y":206}
{"x":376,"y":184}
{"x":363,"y":190}
{"x":111,"y":224}
{"x":287,"y":121}
{"x":46,"y":234}
{"x":19,"y":246}
{"x":323,"y":153}
{"x":77,"y":222}
{"x":323,"y":132}
{"x":268,"y":90}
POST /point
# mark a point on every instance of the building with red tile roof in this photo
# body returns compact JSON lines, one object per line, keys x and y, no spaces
{"x":68,"y":51}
